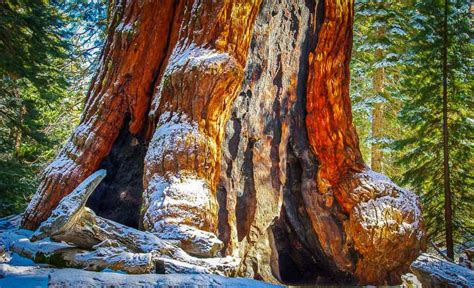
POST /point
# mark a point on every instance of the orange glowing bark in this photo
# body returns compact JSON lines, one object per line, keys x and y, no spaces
{"x":371,"y":204}
{"x":123,"y":85}
{"x":297,"y":203}
{"x":192,"y":105}
{"x":329,"y":120}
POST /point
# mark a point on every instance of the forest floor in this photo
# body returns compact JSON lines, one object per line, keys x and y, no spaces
{"x":18,"y":271}
{"x":22,"y":272}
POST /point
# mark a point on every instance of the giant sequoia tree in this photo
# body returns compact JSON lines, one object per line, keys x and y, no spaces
{"x":226,"y":127}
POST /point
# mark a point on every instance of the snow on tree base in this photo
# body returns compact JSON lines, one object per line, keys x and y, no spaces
{"x":18,"y":271}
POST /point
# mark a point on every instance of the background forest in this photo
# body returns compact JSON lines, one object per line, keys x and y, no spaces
{"x":50,"y":48}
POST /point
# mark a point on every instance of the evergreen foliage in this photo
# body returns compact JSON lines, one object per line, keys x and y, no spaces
{"x":413,"y":141}
{"x":421,"y":115}
{"x":47,"y":49}
{"x":379,"y":25}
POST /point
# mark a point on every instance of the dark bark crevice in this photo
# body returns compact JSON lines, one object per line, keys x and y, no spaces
{"x":246,"y":203}
{"x":223,"y":215}
{"x":300,"y":256}
{"x":119,"y":195}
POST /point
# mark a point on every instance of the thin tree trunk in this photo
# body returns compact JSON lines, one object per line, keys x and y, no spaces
{"x":378,"y":110}
{"x":376,"y":158}
{"x":18,"y":132}
{"x":447,"y":186}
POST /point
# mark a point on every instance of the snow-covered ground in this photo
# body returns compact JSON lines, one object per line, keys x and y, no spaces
{"x":442,"y":273}
{"x":17,"y":271}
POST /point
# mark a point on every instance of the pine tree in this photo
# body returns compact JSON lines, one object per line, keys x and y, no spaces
{"x":40,"y":61}
{"x":32,"y":48}
{"x":379,"y":34}
{"x":422,"y":115}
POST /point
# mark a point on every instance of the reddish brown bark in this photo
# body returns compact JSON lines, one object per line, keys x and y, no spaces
{"x":329,"y":120}
{"x":134,"y":52}
{"x":329,"y":124}
{"x":192,"y":105}
{"x":292,"y":197}
{"x":371,"y":203}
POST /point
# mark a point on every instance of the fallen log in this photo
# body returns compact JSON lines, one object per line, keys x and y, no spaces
{"x":60,"y":254}
{"x":96,"y":243}
{"x":433,"y":271}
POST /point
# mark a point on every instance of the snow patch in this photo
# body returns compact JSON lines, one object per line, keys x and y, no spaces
{"x":175,"y":201}
{"x":23,"y":276}
{"x":440,"y":273}
{"x":34,"y":276}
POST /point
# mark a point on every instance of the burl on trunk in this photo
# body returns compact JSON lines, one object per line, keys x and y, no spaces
{"x":380,"y":219}
{"x":281,"y":186}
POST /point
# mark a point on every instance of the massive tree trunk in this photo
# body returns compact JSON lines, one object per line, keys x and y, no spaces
{"x":369,"y":207}
{"x":192,"y":105}
{"x":281,"y":186}
{"x":139,"y":40}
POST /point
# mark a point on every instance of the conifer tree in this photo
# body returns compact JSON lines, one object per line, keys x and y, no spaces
{"x":379,"y":31}
{"x":46,"y":48}
{"x":32,"y":49}
{"x":422,"y":116}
